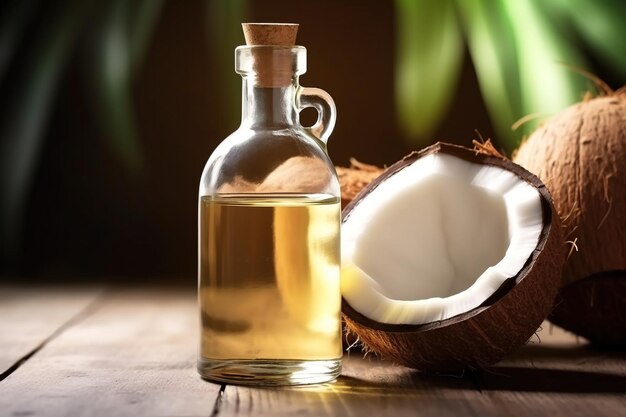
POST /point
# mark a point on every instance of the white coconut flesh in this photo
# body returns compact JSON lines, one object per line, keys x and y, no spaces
{"x":437,"y":239}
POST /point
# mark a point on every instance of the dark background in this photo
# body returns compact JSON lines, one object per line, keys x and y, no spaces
{"x":89,"y":218}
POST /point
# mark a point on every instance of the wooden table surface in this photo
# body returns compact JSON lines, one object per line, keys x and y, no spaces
{"x":96,"y":351}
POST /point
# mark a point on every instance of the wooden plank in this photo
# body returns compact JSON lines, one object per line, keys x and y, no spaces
{"x":30,"y":315}
{"x":135,"y":355}
{"x":561,"y":376}
{"x":367,"y":386}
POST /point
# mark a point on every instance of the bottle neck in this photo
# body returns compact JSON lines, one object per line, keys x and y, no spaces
{"x":268,"y":107}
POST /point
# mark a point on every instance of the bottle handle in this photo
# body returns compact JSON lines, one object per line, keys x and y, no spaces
{"x":321,"y":101}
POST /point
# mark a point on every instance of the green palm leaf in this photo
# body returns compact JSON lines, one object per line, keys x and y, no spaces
{"x":113,"y":56}
{"x":429,"y":56}
{"x":224,"y":20}
{"x":546,"y":85}
{"x":491,"y":42}
{"x":600,"y":24}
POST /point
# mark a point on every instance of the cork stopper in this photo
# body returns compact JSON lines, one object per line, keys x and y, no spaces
{"x":273,"y":66}
{"x":283,"y":34}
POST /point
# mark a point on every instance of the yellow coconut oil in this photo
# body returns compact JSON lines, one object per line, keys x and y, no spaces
{"x":269,"y":289}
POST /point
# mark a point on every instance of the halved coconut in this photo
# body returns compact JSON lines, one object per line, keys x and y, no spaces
{"x":451,"y":258}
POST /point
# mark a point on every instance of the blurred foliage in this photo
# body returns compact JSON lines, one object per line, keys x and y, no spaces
{"x":113,"y":49}
{"x":431,"y":46}
{"x":29,"y":86}
{"x":37,"y":41}
{"x":224,"y":20}
{"x":522,"y":52}
{"x":518,"y":49}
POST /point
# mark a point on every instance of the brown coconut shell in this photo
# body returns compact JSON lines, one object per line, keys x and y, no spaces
{"x":581,"y":156}
{"x":489,"y":332}
{"x":353,"y":179}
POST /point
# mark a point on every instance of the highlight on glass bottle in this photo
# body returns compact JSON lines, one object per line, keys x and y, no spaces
{"x":268,"y":231}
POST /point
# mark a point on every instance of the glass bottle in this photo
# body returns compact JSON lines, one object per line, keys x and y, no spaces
{"x":268,"y":231}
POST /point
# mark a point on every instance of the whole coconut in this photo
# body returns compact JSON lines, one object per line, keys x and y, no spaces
{"x":580,"y":154}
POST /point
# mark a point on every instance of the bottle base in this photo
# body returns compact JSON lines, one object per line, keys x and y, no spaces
{"x":269,"y":372}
